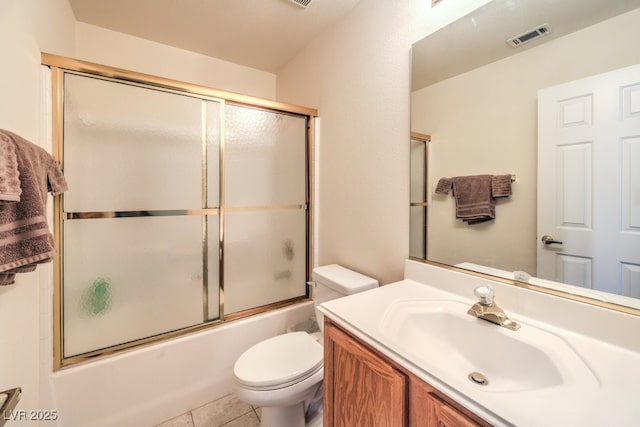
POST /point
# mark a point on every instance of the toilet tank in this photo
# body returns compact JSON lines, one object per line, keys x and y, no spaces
{"x":335,"y":281}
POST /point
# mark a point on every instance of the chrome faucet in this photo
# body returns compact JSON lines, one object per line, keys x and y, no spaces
{"x":486,"y":309}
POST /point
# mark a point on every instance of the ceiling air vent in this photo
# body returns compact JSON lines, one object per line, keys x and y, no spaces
{"x":529,"y":35}
{"x":303,"y":3}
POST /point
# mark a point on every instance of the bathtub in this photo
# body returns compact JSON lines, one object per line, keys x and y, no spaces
{"x":154,"y":383}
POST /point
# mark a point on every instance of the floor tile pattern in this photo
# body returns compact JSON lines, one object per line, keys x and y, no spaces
{"x":227,"y":411}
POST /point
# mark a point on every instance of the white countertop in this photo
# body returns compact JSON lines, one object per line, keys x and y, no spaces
{"x":613,"y":395}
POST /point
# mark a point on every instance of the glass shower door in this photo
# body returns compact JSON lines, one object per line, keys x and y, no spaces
{"x":133,"y":246}
{"x":265,"y":208}
{"x":184,"y":210}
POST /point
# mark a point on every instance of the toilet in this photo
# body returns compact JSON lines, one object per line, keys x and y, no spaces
{"x":283,"y":375}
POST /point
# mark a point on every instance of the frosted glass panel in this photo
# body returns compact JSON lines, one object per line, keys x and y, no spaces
{"x":264,"y":258}
{"x":417,"y":226}
{"x":213,"y":154}
{"x":418,"y":149}
{"x":213,"y":262}
{"x":118,"y":136}
{"x":130,"y":278}
{"x":264,"y":158}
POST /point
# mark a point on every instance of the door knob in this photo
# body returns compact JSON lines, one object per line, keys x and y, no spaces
{"x":547,"y":240}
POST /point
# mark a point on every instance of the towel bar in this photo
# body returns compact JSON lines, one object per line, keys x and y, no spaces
{"x":8,"y":400}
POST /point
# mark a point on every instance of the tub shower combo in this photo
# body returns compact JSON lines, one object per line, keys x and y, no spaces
{"x":187,"y":207}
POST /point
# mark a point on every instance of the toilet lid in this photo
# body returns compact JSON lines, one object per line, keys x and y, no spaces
{"x":279,"y":360}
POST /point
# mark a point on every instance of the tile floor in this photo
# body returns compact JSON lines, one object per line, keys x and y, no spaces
{"x":227,"y":411}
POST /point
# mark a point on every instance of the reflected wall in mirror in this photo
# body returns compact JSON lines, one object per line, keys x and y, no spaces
{"x":477,"y":97}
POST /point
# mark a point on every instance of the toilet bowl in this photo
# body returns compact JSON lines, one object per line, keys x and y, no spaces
{"x":279,"y":375}
{"x":283,"y":374}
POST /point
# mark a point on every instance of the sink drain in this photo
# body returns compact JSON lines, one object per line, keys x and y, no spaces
{"x":478,"y":378}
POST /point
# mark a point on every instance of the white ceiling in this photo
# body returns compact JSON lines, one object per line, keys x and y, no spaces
{"x":480,"y":37}
{"x":262,"y":34}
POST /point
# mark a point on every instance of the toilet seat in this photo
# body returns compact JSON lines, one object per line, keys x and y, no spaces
{"x":279,"y":362}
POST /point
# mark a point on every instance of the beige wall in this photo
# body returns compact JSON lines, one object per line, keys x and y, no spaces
{"x":357,"y":75}
{"x":484,"y":121}
{"x":95,"y":44}
{"x":26,"y":28}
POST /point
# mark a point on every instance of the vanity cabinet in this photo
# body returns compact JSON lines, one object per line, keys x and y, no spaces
{"x":427,"y":407}
{"x":364,"y":388}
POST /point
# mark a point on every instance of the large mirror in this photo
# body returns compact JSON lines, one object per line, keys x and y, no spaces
{"x":478,"y":97}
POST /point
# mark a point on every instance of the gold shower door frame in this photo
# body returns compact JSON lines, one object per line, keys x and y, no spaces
{"x":425,"y":140}
{"x":59,"y":66}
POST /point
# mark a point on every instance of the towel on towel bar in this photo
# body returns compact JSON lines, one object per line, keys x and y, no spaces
{"x":9,"y":175}
{"x":25,"y":240}
{"x":475,"y":195}
{"x":501,"y":185}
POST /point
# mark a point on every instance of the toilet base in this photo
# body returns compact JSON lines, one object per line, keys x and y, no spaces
{"x":315,"y":420}
{"x":290,"y":416}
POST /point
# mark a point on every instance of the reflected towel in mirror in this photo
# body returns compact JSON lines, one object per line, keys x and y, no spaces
{"x":475,"y":195}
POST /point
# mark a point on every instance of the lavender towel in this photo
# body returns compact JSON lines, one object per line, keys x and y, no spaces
{"x":25,"y":240}
{"x":473,"y":198}
{"x":501,"y":185}
{"x":9,"y":176}
{"x":444,"y":185}
{"x":475,"y":195}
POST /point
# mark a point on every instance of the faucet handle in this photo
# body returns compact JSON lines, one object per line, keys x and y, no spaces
{"x":484,"y":294}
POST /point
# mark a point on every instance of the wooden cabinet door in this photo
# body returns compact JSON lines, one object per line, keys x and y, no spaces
{"x":360,"y":388}
{"x":428,"y":409}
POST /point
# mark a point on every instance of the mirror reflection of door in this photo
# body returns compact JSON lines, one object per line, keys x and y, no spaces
{"x":588,"y":153}
{"x":419,"y":195}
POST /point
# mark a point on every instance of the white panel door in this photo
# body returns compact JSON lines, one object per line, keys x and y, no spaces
{"x":589,"y":182}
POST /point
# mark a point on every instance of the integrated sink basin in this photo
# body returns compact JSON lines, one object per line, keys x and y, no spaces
{"x":440,"y":336}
